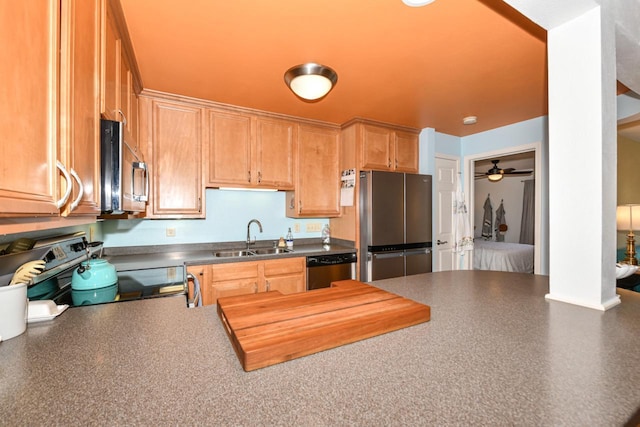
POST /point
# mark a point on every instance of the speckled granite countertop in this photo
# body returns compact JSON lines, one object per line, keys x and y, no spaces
{"x":132,"y":258}
{"x":494,"y":353}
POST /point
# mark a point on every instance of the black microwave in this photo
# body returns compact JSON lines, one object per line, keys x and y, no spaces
{"x":124,"y":176}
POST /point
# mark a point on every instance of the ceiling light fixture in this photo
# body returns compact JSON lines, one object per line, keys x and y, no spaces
{"x":311,"y":81}
{"x":417,"y":3}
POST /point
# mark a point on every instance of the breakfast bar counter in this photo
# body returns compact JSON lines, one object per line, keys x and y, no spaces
{"x":495,"y":352}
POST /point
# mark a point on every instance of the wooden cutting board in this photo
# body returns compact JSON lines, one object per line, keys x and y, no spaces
{"x":269,"y":328}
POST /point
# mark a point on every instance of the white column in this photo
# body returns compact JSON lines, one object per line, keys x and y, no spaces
{"x":582,"y":161}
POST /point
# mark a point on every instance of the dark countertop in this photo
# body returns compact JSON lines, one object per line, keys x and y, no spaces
{"x":133,"y":258}
{"x":495,"y":352}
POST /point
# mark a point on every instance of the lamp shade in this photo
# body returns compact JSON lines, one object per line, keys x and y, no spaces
{"x":628,"y":217}
{"x":310,"y":81}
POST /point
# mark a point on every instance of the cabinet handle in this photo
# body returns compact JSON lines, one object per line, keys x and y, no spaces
{"x":299,"y":206}
{"x":268,"y":286}
{"x":259,"y":177}
{"x":255,"y":287}
{"x":389,"y":164}
{"x":124,"y":118}
{"x":60,"y":203}
{"x":396,"y":163}
{"x":199,"y":204}
{"x":76,"y":202}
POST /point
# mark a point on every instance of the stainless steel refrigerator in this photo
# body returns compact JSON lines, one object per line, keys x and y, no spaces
{"x":395,"y":224}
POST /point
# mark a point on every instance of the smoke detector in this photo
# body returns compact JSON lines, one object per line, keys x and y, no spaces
{"x":470,"y":120}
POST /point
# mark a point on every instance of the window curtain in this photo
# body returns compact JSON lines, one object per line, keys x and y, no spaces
{"x":528,"y":213}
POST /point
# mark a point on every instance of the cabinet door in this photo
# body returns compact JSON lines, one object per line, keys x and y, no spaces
{"x":233,"y":279}
{"x":110,"y":68}
{"x":203,"y":274}
{"x":285,"y":275}
{"x":273,"y":153}
{"x":406,"y":152}
{"x":29,"y":107}
{"x":176,"y":152}
{"x":317,"y":189}
{"x":79,"y":104}
{"x":126,"y":92}
{"x":229,"y":149}
{"x":376,"y":148}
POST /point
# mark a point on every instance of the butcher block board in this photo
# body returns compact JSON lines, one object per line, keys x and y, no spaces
{"x":269,"y":328}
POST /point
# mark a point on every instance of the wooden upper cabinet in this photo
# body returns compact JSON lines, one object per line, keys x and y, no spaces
{"x":29,"y":183}
{"x":229,"y":149}
{"x":120,"y":83}
{"x":388,"y":148}
{"x":245,"y":150}
{"x":274,"y":152}
{"x":79,"y":103}
{"x":172,"y":133}
{"x":406,"y":151}
{"x":377,"y":149}
{"x":317,"y":189}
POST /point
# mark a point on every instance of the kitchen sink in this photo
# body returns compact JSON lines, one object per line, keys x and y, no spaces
{"x":234,"y":253}
{"x":271,"y":251}
{"x":252,"y":252}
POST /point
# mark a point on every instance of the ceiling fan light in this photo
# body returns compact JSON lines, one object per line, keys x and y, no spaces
{"x":310,"y":81}
{"x":495,"y":177}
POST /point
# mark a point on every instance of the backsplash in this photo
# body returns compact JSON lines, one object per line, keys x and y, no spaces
{"x":228,"y":213}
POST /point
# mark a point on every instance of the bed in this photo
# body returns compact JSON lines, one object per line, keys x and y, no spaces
{"x":501,"y":256}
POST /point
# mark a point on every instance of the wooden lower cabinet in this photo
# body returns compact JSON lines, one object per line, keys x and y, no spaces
{"x":287,"y":275}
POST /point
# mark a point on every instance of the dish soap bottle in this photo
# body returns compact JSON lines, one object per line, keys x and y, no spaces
{"x":289,"y":239}
{"x":326,"y":236}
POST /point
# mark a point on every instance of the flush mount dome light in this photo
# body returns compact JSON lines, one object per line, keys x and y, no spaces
{"x":417,"y":3}
{"x":310,"y":81}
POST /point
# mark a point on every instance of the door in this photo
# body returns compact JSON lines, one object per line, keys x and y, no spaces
{"x":417,"y":261}
{"x":385,"y":265}
{"x":385,"y":208}
{"x":418,"y":208}
{"x":445,"y":176}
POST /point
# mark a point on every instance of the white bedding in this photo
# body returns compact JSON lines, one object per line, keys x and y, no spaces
{"x":501,"y":256}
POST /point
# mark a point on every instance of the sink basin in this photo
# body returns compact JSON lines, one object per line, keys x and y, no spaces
{"x":235,"y":253}
{"x":271,"y":251}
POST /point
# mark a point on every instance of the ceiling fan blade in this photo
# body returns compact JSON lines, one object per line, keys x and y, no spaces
{"x":515,"y":172}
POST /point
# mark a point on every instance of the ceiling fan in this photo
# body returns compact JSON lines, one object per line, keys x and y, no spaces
{"x":496,"y":174}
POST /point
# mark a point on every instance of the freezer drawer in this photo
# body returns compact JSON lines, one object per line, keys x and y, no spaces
{"x":417,"y":261}
{"x":385,"y":265}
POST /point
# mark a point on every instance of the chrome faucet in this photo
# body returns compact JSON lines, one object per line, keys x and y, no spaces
{"x":248,"y":228}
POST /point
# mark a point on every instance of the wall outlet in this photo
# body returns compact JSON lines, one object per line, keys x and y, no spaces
{"x":171,"y":232}
{"x":313,"y":227}
{"x":296,"y":227}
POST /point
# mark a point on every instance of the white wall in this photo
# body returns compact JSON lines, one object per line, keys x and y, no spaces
{"x":509,"y":190}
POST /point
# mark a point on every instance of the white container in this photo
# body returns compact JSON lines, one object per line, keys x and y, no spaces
{"x":13,"y":310}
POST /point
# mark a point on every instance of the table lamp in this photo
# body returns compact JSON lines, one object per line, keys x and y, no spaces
{"x":628,"y":219}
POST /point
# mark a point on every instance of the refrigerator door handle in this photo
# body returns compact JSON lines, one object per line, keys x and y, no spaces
{"x":383,"y":255}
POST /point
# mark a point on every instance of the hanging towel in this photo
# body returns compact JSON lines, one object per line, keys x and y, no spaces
{"x":463,"y":238}
{"x":500,"y":220}
{"x":487,"y":220}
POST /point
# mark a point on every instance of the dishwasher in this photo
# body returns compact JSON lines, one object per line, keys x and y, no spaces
{"x":324,"y":269}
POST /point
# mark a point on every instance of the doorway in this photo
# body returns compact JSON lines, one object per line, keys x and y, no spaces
{"x":520,"y":158}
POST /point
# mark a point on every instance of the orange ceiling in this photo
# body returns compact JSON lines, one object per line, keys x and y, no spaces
{"x":419,"y":67}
